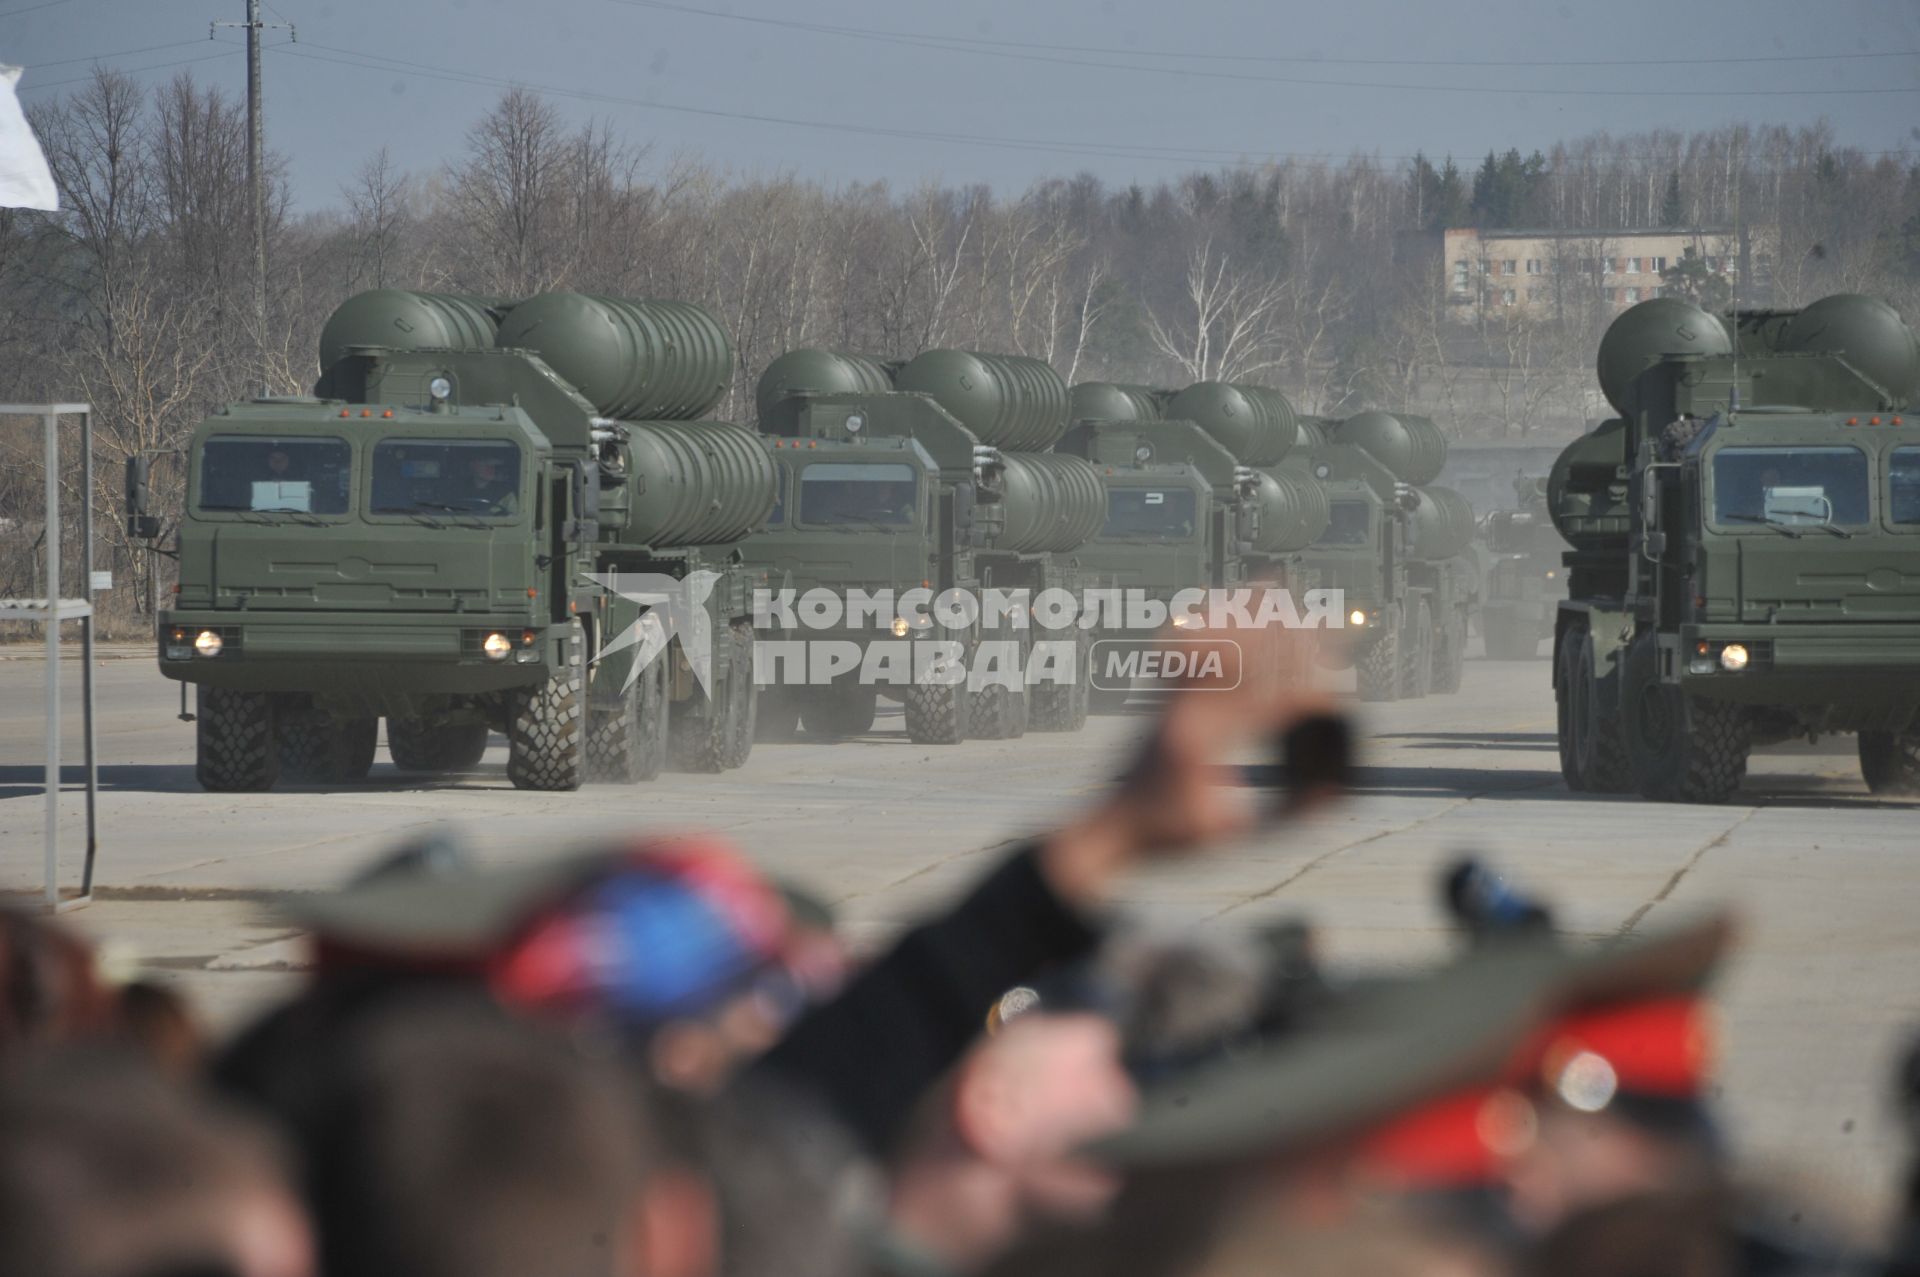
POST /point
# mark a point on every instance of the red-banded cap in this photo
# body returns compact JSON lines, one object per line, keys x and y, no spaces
{"x":1457,"y":1141}
{"x":1660,"y":1048}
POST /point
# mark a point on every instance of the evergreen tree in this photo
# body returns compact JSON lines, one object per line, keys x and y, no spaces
{"x":1672,"y":210}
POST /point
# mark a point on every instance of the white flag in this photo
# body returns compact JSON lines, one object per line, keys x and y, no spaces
{"x":24,"y":179}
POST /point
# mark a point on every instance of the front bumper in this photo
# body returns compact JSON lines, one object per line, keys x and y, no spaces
{"x":1851,"y":667}
{"x":378,"y":656}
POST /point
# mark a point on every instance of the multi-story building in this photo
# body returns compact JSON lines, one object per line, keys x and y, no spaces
{"x":1550,"y":273}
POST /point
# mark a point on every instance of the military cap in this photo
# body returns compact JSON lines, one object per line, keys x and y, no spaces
{"x":1391,"y":1046}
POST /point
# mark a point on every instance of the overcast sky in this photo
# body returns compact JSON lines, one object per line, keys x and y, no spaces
{"x":1040,"y":87}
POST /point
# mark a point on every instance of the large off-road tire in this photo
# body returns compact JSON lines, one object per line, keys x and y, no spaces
{"x":1683,"y":749}
{"x":627,"y":742}
{"x":1450,"y":652}
{"x":547,"y":726}
{"x":715,"y":733}
{"x":938,"y":713}
{"x":1063,"y":707}
{"x":234,"y":749}
{"x":327,"y":751}
{"x":1376,"y":668}
{"x":1593,"y":754}
{"x":999,"y":713}
{"x":839,"y":711}
{"x":1890,"y":762}
{"x":744,"y":713}
{"x":420,"y":747}
{"x":1416,"y":652}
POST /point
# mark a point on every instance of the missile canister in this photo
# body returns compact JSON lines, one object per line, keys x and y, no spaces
{"x":1648,"y":330}
{"x":1586,"y":493}
{"x":1867,"y":333}
{"x":1442,"y":524}
{"x":637,"y":360}
{"x":1255,"y":424}
{"x":400,"y":320}
{"x":819,"y":372}
{"x":1007,"y":401}
{"x":694,"y":483}
{"x":1293,"y":511}
{"x":1411,"y":447}
{"x":1052,"y":503}
{"x":1115,"y":401}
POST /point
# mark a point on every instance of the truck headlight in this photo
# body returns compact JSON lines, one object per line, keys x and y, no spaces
{"x":1734,"y":657}
{"x":1356,"y":617}
{"x":496,"y":646}
{"x":207,"y":643}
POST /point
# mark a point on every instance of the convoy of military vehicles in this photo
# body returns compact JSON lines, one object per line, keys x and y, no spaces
{"x":516,"y":516}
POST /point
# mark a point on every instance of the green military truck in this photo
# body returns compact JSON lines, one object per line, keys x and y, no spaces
{"x":928,"y":476}
{"x":1745,"y":540}
{"x":1526,"y":579}
{"x":1395,"y":546}
{"x":429,"y":540}
{"x":1186,"y":505}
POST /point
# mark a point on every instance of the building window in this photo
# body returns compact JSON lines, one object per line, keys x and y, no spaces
{"x":1633,"y":266}
{"x":1483,"y":265}
{"x":1460,"y":274}
{"x":1656,"y":292}
{"x":1533,"y":266}
{"x":1606,"y":266}
{"x":1506,"y":297}
{"x":1713,"y":265}
{"x":1510,"y":268}
{"x":1633,"y":294}
{"x":1656,"y":265}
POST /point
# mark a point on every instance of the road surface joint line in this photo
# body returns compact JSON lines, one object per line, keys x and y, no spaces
{"x":1674,"y":880}
{"x":1332,"y":852}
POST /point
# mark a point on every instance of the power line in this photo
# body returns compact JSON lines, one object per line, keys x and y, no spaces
{"x":119,"y":53}
{"x":158,"y":66}
{"x":50,"y":4}
{"x":945,"y":45}
{"x":1100,"y":150}
{"x":1190,"y":156}
{"x":961,"y":43}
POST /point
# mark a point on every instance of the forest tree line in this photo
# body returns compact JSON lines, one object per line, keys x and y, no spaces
{"x":1322,"y":279}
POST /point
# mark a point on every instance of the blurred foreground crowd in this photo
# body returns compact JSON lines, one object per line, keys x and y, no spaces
{"x":653,"y":1060}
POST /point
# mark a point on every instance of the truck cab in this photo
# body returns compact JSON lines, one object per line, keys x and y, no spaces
{"x":1744,"y":541}
{"x":340,"y":563}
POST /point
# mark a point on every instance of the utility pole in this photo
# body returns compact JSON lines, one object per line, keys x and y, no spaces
{"x":256,"y":157}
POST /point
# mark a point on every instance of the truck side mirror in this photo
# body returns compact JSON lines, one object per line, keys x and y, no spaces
{"x":584,"y":487}
{"x":142,"y":525}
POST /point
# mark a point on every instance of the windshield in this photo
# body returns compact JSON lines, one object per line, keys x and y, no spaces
{"x":1903,"y":485}
{"x":1794,"y":486}
{"x":843,"y":494}
{"x":1351,"y":524}
{"x":1149,"y":512}
{"x":311,"y":476}
{"x":479,"y":477}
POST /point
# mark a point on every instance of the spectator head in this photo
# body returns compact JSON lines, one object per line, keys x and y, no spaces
{"x":453,"y":1140}
{"x":51,"y":993}
{"x":679,"y":942}
{"x":1619,"y":1096}
{"x":108,"y":1171}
